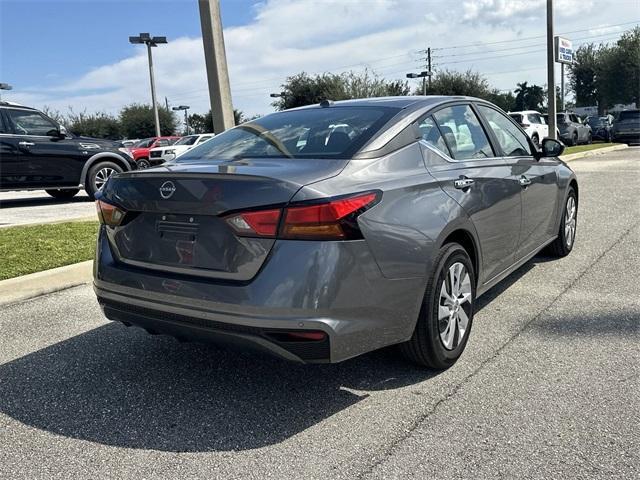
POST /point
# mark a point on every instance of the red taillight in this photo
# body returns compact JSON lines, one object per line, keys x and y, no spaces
{"x":109,"y":214}
{"x":262,"y":223}
{"x":329,"y":220}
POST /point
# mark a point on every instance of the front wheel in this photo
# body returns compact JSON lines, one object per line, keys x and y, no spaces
{"x":574,"y":139}
{"x":143,"y":163}
{"x":98,"y":176}
{"x":444,"y":323}
{"x":563,"y":244}
{"x":63,"y":194}
{"x":589,"y":139}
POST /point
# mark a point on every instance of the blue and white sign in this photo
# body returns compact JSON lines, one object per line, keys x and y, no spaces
{"x":564,"y":50}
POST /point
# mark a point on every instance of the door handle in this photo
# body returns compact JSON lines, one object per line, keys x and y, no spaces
{"x":524,"y":181}
{"x":26,"y":144}
{"x":463,"y":183}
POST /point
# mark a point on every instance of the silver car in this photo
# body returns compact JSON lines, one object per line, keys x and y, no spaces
{"x":319,"y":243}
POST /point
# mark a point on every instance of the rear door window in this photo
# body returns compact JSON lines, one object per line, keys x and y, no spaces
{"x":432,"y":136}
{"x":463,"y":133}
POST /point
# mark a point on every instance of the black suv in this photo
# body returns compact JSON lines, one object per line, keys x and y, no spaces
{"x":36,"y":153}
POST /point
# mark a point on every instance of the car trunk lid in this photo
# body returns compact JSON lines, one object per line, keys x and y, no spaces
{"x":174,"y":220}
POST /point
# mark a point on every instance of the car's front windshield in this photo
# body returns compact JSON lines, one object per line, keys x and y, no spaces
{"x":190,"y":140}
{"x":331,"y":132}
{"x":144,"y":143}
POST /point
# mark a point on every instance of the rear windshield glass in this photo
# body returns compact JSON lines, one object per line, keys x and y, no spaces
{"x":517,"y":117}
{"x":332,"y":132}
{"x":190,"y":140}
{"x":144,"y":143}
{"x":630,"y":115}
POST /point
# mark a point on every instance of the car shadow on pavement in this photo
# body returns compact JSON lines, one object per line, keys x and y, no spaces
{"x":120,"y":386}
{"x":40,"y":201}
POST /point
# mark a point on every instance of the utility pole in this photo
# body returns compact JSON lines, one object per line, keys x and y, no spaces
{"x":216,"y":63}
{"x":551,"y":81}
{"x":562,"y":87}
{"x":429,"y":65}
{"x":166,"y":103}
{"x":150,"y":41}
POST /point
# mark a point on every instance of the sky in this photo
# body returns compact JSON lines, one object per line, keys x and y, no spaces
{"x":75,"y":53}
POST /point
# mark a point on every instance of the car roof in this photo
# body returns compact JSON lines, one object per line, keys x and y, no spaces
{"x":400,"y":102}
{"x":4,"y":103}
{"x":527,"y":112}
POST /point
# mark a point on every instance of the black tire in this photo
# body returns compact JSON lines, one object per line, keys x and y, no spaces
{"x":589,"y":139}
{"x":426,"y":346}
{"x":94,"y":177}
{"x":143,"y":163}
{"x":561,"y":247}
{"x":574,"y":139}
{"x":536,"y":141}
{"x":63,"y":194}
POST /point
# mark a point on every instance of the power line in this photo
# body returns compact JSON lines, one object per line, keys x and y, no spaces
{"x":480,"y":44}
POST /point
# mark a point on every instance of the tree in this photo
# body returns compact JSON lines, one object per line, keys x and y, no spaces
{"x":529,"y":97}
{"x":98,"y":125}
{"x":450,"y":82}
{"x":506,"y":101}
{"x":203,"y":123}
{"x":607,"y":74}
{"x":304,"y":89}
{"x":137,"y":121}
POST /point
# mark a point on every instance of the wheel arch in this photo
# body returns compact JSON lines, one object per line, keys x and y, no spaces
{"x":467,"y":240}
{"x":100,"y":157}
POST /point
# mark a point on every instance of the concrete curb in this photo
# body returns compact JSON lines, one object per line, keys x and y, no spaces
{"x":589,"y":153}
{"x":33,"y":285}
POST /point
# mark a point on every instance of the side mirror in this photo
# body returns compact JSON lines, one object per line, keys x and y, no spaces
{"x":59,"y":132}
{"x":550,"y":148}
{"x":63,"y":131}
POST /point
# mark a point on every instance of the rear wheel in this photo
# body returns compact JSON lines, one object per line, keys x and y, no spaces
{"x":563,"y":244}
{"x":143,"y":163}
{"x":574,"y":139}
{"x":63,"y":194}
{"x":589,"y":139}
{"x":98,"y":176}
{"x":446,"y":315}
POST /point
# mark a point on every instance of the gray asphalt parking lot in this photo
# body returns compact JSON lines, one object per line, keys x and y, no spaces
{"x":23,"y":208}
{"x":547,"y":388}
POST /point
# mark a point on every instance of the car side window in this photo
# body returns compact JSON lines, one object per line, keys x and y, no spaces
{"x":3,"y":127}
{"x":203,"y":139}
{"x":162,"y":143}
{"x":512,"y":141}
{"x":463,"y":133}
{"x":431,"y":135}
{"x":26,"y":122}
{"x":535,"y":118}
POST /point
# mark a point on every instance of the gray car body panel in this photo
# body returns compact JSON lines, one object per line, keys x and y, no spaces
{"x":365,"y":294}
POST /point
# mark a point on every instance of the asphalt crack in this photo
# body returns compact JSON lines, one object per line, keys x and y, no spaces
{"x":407,"y":432}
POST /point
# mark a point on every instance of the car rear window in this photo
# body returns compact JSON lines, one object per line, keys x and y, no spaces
{"x":630,"y":115}
{"x":332,"y":132}
{"x":517,"y":117}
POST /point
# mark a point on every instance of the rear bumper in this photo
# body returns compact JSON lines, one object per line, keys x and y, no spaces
{"x":333,"y":287}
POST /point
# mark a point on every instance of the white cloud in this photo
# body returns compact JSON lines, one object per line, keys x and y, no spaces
{"x":289,"y":36}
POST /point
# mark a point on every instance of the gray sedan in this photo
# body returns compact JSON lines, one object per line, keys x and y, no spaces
{"x":321,"y":233}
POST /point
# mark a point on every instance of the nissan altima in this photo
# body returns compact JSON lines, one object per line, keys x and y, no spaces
{"x":324,"y":232}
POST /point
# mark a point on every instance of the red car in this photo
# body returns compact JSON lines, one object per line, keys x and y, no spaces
{"x":140,"y":150}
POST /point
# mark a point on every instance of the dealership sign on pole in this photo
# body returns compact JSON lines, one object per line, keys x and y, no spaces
{"x":564,"y":50}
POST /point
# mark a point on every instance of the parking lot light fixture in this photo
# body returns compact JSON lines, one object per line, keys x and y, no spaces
{"x":5,"y":86}
{"x":423,"y":75}
{"x":149,"y":41}
{"x":186,"y":118}
{"x":277,"y":95}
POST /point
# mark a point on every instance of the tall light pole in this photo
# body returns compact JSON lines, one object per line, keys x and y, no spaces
{"x":215,"y":59}
{"x":150,"y":41}
{"x":423,"y":76}
{"x":5,"y":86}
{"x":186,"y":118}
{"x":551,"y":77}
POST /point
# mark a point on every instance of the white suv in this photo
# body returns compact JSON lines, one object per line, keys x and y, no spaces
{"x":533,"y":124}
{"x":160,"y":155}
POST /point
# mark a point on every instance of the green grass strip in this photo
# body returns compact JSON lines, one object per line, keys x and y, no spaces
{"x":34,"y":248}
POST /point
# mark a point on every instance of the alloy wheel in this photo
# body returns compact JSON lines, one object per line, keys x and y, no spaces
{"x":454,"y":306}
{"x":570,"y":221}
{"x":102,"y":176}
